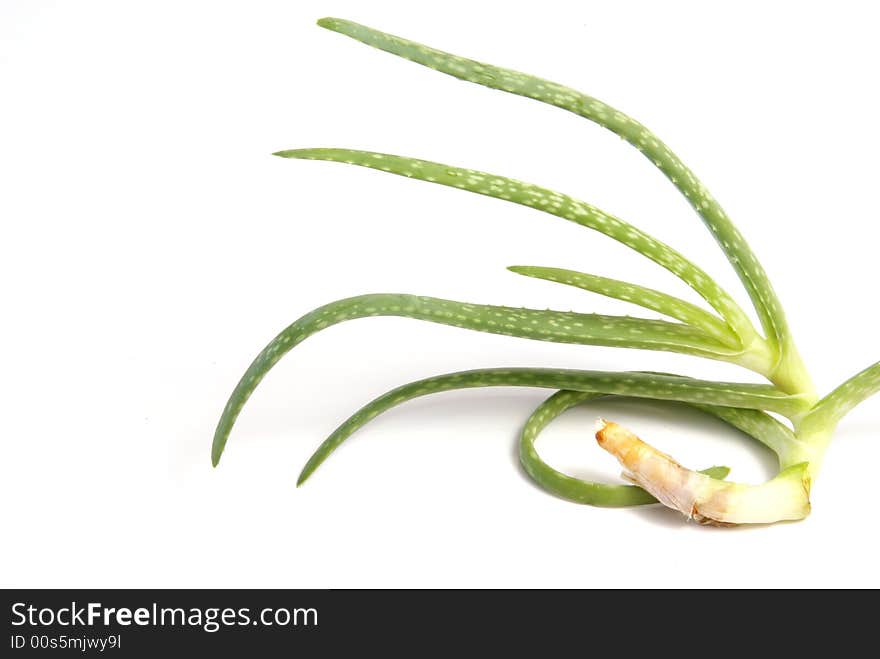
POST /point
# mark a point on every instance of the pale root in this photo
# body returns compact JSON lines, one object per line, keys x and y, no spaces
{"x":700,"y":497}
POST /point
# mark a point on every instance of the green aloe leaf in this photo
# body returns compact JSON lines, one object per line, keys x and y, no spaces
{"x":753,"y":422}
{"x":555,"y":326}
{"x":831,"y":409}
{"x":674,"y":307}
{"x":636,"y":385}
{"x":568,"y":487}
{"x":549,"y":201}
{"x":731,"y":241}
{"x":757,"y":424}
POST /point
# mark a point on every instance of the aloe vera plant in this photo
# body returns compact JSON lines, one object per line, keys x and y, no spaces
{"x":725,"y":333}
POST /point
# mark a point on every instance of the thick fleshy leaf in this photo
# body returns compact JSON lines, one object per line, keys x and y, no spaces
{"x":759,"y":425}
{"x":756,"y":424}
{"x":831,"y":409}
{"x":716,"y":220}
{"x":549,"y":201}
{"x":555,"y":326}
{"x":674,"y":307}
{"x":568,"y":487}
{"x":636,"y":385}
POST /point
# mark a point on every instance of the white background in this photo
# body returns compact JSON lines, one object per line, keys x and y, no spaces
{"x":151,"y":246}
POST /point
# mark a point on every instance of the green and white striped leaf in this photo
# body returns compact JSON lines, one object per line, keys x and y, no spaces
{"x":757,"y":424}
{"x":555,"y":326}
{"x":668,"y":305}
{"x":831,"y":409}
{"x":549,"y":201}
{"x":637,"y":385}
{"x":716,"y":220}
{"x":576,"y":489}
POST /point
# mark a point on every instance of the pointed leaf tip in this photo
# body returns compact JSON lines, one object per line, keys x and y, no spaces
{"x":328,"y":22}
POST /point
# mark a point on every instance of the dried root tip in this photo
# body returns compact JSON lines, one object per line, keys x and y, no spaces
{"x":699,"y":497}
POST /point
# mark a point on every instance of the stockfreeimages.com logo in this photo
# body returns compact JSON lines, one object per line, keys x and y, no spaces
{"x":210,"y":619}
